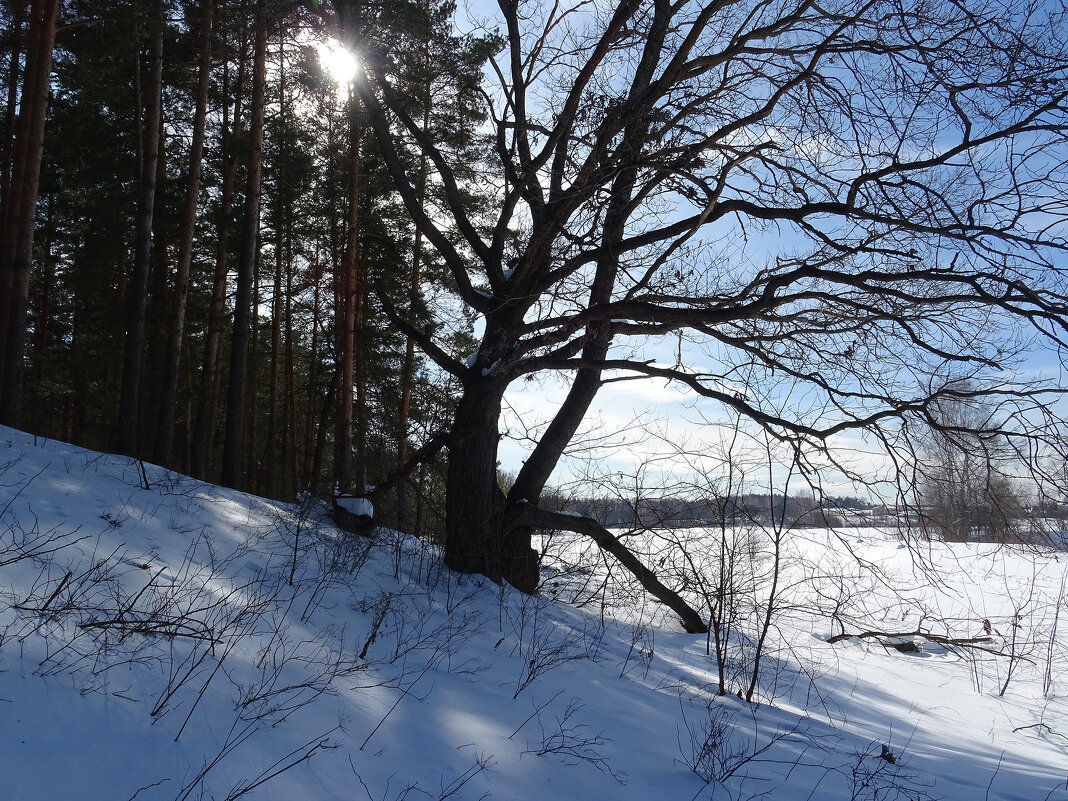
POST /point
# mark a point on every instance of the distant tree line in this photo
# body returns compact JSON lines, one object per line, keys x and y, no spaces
{"x":750,"y":508}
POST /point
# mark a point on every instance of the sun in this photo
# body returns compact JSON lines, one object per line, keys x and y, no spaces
{"x":339,"y":63}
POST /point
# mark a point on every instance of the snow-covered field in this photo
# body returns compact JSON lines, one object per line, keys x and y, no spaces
{"x":182,"y":641}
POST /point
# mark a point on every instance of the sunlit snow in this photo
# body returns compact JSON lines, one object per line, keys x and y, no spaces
{"x":186,"y":641}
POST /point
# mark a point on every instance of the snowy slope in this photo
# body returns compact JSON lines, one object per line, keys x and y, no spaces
{"x":185,"y":641}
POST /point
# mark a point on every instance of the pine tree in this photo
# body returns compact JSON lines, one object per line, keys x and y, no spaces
{"x":150,"y":100}
{"x":19,"y":213}
{"x":176,"y":326}
{"x":234,"y":432}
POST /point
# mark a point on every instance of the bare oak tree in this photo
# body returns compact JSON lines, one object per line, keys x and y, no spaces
{"x":842,"y":207}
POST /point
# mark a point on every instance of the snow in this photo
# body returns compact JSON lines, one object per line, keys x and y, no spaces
{"x":361,"y":507}
{"x":153,"y":645}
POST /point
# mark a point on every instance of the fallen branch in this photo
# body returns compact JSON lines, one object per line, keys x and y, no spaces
{"x":174,"y":627}
{"x":886,"y":638}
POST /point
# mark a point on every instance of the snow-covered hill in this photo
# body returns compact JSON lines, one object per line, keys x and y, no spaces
{"x":162,"y":638}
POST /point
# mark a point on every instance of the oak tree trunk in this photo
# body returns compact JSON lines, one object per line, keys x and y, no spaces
{"x":476,"y":540}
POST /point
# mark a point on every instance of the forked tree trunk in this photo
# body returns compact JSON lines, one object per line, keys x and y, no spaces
{"x":485,"y":534}
{"x":550,"y":449}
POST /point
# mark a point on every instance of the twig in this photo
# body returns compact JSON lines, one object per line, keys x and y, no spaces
{"x":407,"y":690}
{"x":533,"y":714}
{"x":313,"y":745}
{"x":148,"y":787}
{"x":1040,"y":726}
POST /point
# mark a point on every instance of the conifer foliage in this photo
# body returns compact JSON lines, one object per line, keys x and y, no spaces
{"x":214,"y":239}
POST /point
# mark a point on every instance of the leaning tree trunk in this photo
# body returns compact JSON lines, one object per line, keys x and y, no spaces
{"x":538,"y":518}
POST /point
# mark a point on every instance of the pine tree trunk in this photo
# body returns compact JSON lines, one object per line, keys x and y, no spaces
{"x":407,"y":379}
{"x":18,"y":16}
{"x":314,"y":427}
{"x":274,"y":411}
{"x":319,"y":451}
{"x":128,"y":423}
{"x":173,"y":356}
{"x":16,"y":246}
{"x":156,"y":309}
{"x":350,"y":17}
{"x":404,"y":407}
{"x":252,"y":388}
{"x":234,"y":434}
{"x":42,"y":417}
{"x":273,"y":466}
{"x":361,"y":402}
{"x":345,"y":319}
{"x":290,"y":390}
{"x":203,"y":444}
